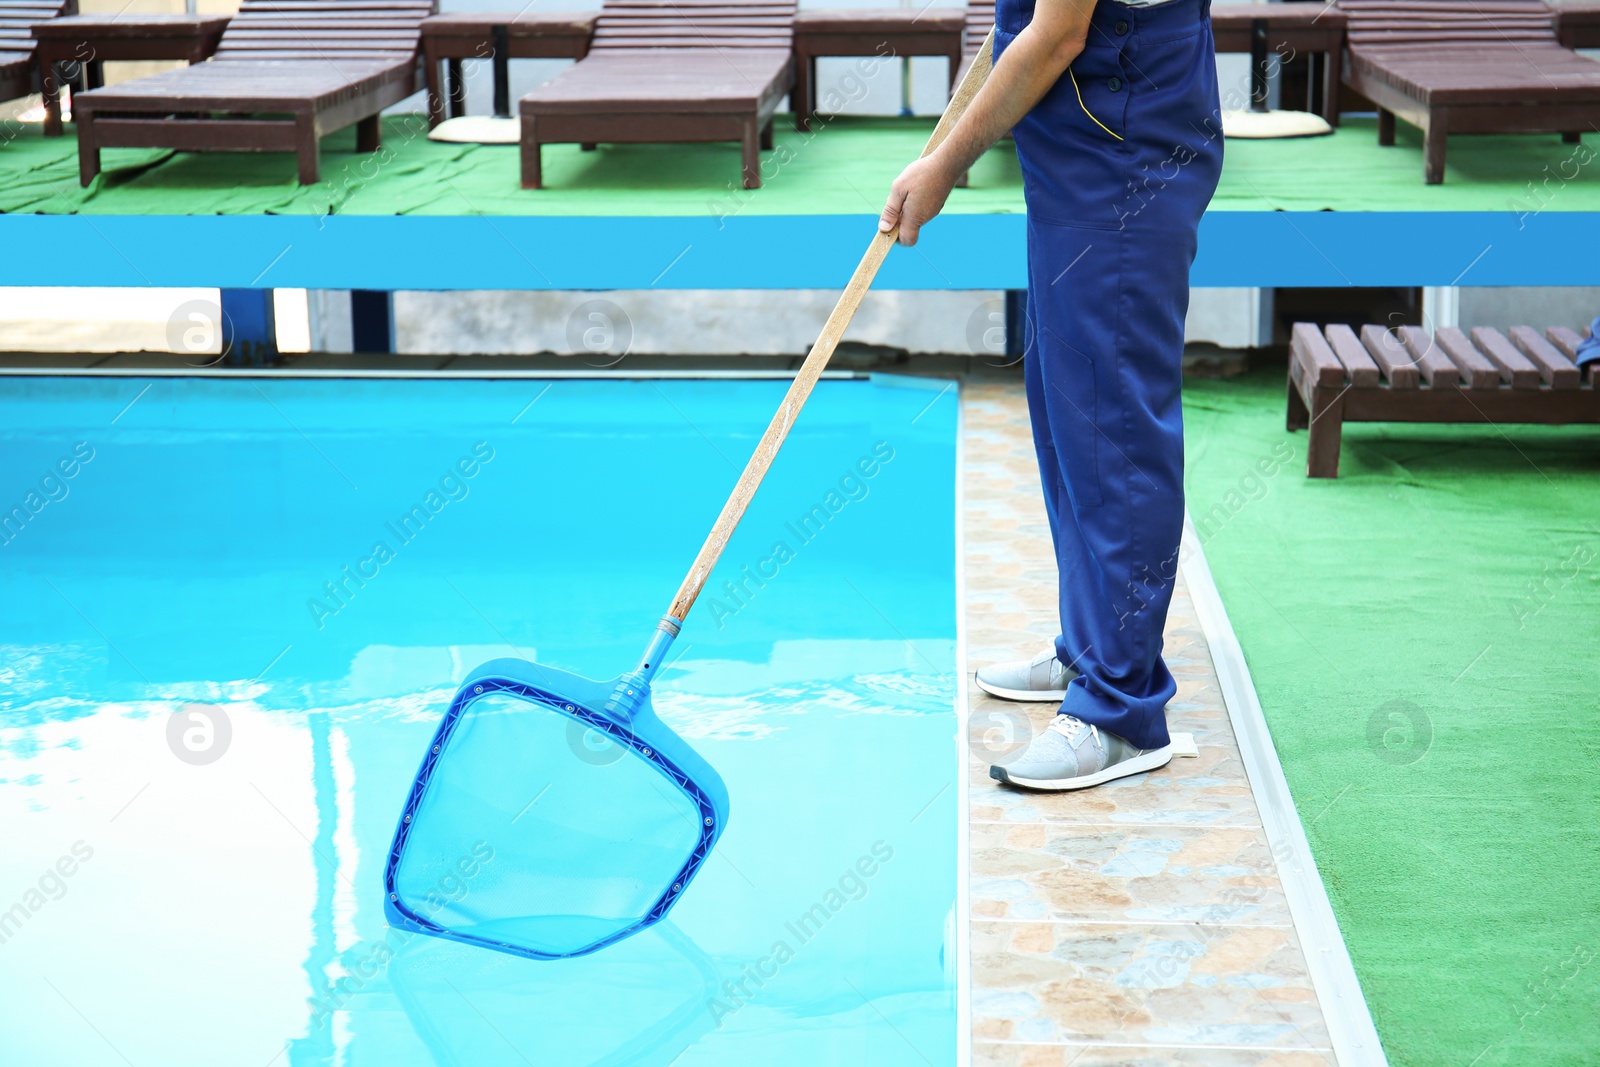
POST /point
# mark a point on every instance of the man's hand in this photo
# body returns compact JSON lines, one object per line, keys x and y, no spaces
{"x":1036,"y":58}
{"x":917,"y":196}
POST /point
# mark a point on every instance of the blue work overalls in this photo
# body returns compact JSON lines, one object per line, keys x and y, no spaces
{"x":1119,"y":160}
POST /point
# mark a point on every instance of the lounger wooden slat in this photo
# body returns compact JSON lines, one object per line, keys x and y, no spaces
{"x":301,"y":55}
{"x":1477,"y":371}
{"x":720,"y":34}
{"x":1361,"y":368}
{"x":1321,"y":365}
{"x":1437,"y":369}
{"x":312,"y":8}
{"x":681,"y":42}
{"x":340,"y":28}
{"x":709,"y":27}
{"x":1506,"y":385}
{"x":1556,"y":369}
{"x":776,"y":31}
{"x":320,"y":12}
{"x":626,"y":7}
{"x":1567,"y":341}
{"x":393,"y":20}
{"x":1390,"y":354}
{"x":768,"y":29}
{"x":616,"y":15}
{"x":333,"y":42}
{"x":1503,"y":354}
{"x":386,"y":46}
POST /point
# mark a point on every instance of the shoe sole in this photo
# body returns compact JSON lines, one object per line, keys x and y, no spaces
{"x":1026,"y":695}
{"x":1148,"y":761}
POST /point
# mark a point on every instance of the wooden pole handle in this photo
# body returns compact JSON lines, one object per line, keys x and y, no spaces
{"x":817,"y":360}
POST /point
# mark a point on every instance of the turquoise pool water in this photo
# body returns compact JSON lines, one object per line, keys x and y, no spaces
{"x":231,"y":612}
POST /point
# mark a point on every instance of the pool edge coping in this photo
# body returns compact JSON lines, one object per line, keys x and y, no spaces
{"x":1349,"y":1022}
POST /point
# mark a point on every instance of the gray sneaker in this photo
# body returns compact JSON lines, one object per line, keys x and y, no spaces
{"x":1071,"y":754}
{"x":1041,"y":678}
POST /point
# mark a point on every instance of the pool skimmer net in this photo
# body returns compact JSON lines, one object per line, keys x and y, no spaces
{"x":519,"y":835}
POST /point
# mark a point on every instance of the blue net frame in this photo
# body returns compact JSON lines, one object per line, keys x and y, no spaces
{"x":629,"y":722}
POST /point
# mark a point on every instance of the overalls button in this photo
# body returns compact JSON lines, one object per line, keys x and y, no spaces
{"x":1114,"y":84}
{"x":1122,"y":27}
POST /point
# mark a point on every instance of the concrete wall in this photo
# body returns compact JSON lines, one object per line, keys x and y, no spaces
{"x":720,"y":322}
{"x":744,"y":322}
{"x":1566,"y":305}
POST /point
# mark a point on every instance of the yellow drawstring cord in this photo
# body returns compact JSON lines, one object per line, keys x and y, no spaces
{"x":1085,"y":107}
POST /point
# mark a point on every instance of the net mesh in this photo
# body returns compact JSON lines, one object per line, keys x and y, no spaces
{"x":538,"y":833}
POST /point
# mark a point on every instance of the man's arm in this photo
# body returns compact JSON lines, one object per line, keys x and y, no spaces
{"x":1032,"y":63}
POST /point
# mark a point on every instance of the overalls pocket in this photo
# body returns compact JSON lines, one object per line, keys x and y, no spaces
{"x":1097,"y":88}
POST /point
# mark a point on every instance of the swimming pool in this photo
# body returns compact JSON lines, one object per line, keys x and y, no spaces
{"x":233,"y":611}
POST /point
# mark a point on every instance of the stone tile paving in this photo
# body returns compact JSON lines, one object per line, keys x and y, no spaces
{"x":1139,"y":923}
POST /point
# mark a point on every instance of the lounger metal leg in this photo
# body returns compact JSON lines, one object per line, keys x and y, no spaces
{"x":1433,"y":143}
{"x":766,"y":137}
{"x":369,"y":134}
{"x":532,"y":175}
{"x":1385,"y":127}
{"x":1326,"y":426}
{"x":752,"y":153}
{"x":88,"y":151}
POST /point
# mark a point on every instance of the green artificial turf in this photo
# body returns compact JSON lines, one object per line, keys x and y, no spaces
{"x":1424,"y":633}
{"x":843,"y":167}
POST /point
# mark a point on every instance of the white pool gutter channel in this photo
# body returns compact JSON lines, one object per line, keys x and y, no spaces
{"x":1333,"y":976}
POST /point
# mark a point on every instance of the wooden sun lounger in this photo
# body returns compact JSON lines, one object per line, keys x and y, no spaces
{"x":1337,"y":375}
{"x":17,"y":18}
{"x":980,"y":20}
{"x":286,"y":73}
{"x":1467,"y":66}
{"x":669,"y":71}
